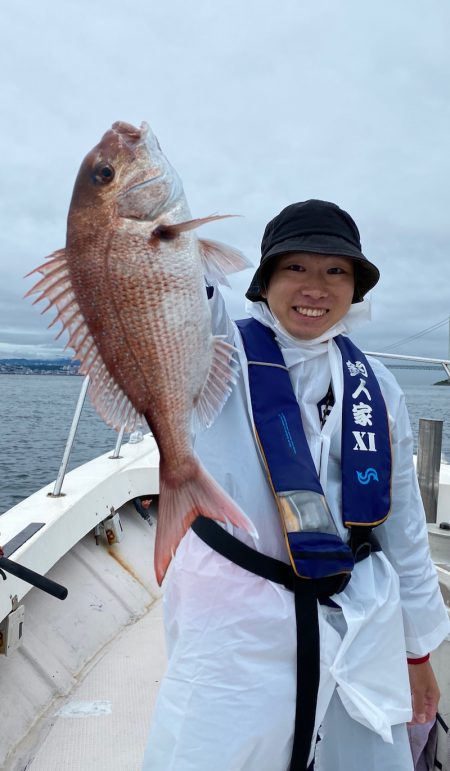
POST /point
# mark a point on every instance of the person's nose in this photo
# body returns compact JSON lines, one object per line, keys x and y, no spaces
{"x":314,"y":289}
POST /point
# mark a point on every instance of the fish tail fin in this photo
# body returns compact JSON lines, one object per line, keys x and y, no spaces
{"x":178,"y":508}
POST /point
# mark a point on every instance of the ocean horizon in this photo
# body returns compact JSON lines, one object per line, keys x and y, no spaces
{"x":36,"y":414}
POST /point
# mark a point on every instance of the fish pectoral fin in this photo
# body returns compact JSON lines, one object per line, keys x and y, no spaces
{"x":222,"y":374}
{"x":219,"y":260}
{"x":168,"y":232}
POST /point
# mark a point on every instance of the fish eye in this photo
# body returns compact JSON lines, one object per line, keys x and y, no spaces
{"x":103,"y":173}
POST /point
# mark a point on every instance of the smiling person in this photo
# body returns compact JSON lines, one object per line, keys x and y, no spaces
{"x":321,"y":626}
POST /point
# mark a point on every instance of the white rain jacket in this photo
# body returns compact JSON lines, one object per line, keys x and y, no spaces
{"x":227,"y":702}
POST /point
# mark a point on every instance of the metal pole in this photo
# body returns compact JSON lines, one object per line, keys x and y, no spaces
{"x":422,"y":359}
{"x":446,"y":367}
{"x":428,"y":464}
{"x":73,"y":429}
{"x":118,"y":444}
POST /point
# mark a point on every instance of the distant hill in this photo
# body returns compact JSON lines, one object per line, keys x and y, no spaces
{"x":39,"y":367}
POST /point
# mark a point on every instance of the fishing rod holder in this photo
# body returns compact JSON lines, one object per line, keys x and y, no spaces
{"x":112,"y":527}
{"x":11,"y":627}
{"x":11,"y":631}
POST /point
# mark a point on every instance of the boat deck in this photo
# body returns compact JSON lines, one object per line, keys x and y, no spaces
{"x":103,"y":725}
{"x":79,"y":691}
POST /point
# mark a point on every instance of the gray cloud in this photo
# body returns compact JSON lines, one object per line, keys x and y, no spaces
{"x":256,"y":104}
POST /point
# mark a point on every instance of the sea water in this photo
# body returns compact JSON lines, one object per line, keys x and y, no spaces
{"x":35,"y":417}
{"x":36,"y":414}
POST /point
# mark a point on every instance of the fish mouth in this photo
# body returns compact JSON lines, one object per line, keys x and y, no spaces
{"x":131,"y":134}
{"x":140,"y":136}
{"x":147,"y":196}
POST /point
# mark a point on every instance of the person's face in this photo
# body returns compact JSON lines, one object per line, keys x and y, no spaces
{"x":309,"y":293}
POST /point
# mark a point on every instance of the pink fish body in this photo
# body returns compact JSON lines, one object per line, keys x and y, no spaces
{"x":129,"y":290}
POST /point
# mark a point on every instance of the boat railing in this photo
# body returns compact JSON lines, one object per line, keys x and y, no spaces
{"x":445,"y":363}
{"x":116,"y":451}
{"x":71,"y":437}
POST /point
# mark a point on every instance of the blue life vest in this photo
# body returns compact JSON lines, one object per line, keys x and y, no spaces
{"x":315,"y":548}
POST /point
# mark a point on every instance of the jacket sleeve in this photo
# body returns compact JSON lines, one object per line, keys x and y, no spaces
{"x":404,"y":535}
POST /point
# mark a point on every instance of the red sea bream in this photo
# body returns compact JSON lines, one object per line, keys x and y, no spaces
{"x":129,"y":290}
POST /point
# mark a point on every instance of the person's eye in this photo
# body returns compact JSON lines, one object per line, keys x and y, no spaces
{"x":336,"y":270}
{"x":294,"y":266}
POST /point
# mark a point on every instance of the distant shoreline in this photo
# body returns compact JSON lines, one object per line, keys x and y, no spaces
{"x":39,"y":367}
{"x":67,"y":367}
{"x":41,"y":372}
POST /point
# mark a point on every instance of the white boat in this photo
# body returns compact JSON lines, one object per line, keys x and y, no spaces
{"x":79,"y":677}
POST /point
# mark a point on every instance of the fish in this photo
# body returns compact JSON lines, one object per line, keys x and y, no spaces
{"x":129,"y":291}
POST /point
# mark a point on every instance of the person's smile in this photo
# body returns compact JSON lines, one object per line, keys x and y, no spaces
{"x":313,"y":312}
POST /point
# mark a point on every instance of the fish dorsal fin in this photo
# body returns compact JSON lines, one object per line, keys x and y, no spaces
{"x":109,"y":400}
{"x":219,"y":260}
{"x":222,"y":374}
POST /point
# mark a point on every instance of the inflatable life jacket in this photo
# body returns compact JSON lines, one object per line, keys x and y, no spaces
{"x":314,"y":546}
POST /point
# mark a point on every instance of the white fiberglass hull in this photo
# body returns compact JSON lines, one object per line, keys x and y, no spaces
{"x":78,"y":692}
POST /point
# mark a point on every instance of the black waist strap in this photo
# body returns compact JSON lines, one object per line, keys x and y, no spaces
{"x":241,"y":554}
{"x":307,"y":593}
{"x":362,"y":541}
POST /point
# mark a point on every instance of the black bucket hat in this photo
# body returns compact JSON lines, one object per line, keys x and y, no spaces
{"x":313,"y":226}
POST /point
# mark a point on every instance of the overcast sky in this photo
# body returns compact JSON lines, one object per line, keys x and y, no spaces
{"x":256,"y":103}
